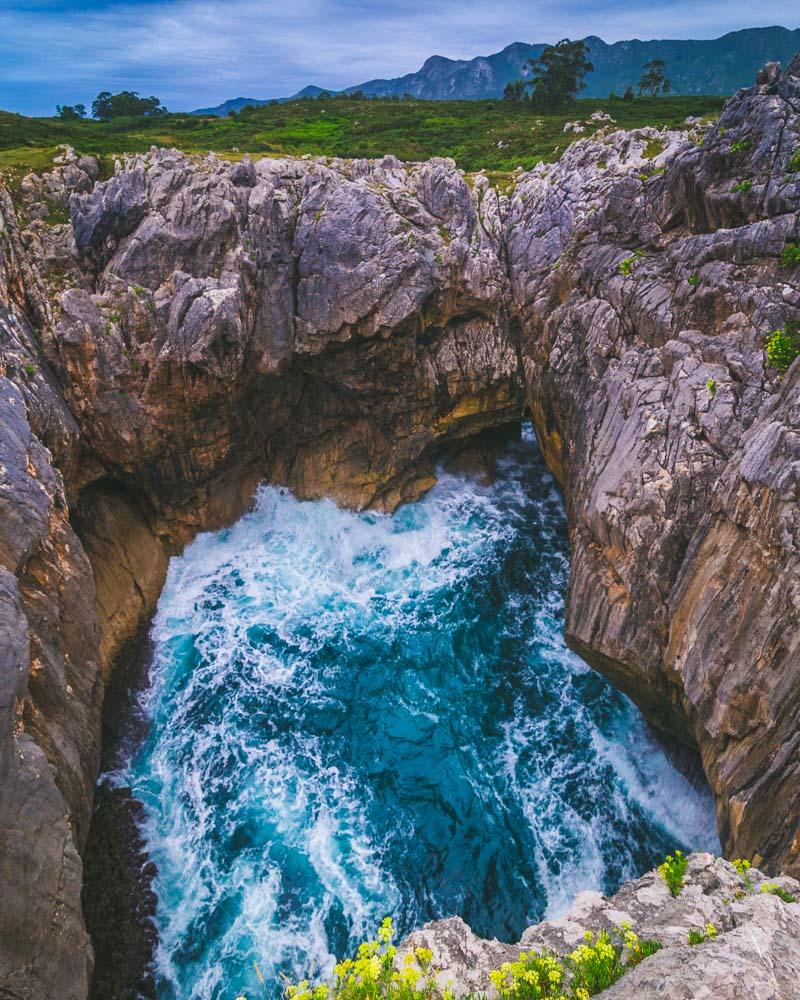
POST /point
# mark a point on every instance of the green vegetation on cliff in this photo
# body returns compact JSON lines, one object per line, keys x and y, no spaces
{"x":673,"y":868}
{"x":377,"y":973}
{"x":783,"y":346}
{"x":490,"y":135}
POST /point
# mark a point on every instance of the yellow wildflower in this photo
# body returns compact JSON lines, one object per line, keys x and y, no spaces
{"x":386,"y":930}
{"x":424,"y":957}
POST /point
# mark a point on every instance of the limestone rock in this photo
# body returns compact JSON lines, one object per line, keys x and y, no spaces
{"x":200,"y":326}
{"x":645,"y":300}
{"x":756,"y":952}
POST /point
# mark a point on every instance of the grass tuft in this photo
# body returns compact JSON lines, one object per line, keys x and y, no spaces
{"x":673,"y":870}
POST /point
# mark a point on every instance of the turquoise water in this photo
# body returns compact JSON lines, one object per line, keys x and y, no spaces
{"x":356,"y":715}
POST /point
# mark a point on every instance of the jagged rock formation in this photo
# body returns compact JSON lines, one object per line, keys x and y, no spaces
{"x":198,"y":328}
{"x":201,"y":326}
{"x":677,"y":447}
{"x":756,"y":952}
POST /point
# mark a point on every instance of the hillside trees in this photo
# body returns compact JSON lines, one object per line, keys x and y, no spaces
{"x":71,"y":112}
{"x":557,"y":76}
{"x":107,"y":106}
{"x":514,"y":91}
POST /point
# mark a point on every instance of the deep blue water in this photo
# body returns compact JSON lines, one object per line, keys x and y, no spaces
{"x":356,"y":715}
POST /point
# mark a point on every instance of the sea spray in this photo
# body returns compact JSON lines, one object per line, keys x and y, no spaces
{"x":356,"y":715}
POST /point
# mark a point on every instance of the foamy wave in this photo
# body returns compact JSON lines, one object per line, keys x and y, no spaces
{"x":355,"y":715}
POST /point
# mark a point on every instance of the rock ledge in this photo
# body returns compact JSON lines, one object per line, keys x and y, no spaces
{"x":755,"y":956}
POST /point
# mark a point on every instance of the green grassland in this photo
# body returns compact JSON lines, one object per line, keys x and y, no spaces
{"x":479,"y":135}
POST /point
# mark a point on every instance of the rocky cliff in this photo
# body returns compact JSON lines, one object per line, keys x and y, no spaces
{"x":200,"y":326}
{"x":676,"y":444}
{"x":753,"y":946}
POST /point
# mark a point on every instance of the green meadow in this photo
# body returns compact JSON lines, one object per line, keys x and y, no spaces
{"x":496,"y":136}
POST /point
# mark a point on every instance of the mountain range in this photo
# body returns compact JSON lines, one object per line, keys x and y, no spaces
{"x":694,"y":66}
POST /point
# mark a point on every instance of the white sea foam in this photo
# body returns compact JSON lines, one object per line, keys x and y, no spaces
{"x":356,"y":715}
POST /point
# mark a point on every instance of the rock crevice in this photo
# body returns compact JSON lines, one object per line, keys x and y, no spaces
{"x":201,"y":326}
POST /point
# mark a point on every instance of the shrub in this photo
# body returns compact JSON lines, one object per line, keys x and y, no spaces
{"x":30,"y":370}
{"x":693,"y":280}
{"x":673,"y":870}
{"x":775,"y":890}
{"x":791,"y":255}
{"x":597,"y":963}
{"x":625,"y":267}
{"x":743,"y":187}
{"x":782,"y":347}
{"x":532,"y":977}
{"x":711,"y":385}
{"x":592,"y":967}
{"x":604,"y":957}
{"x":742,"y":865}
{"x":707,"y":934}
{"x":741,"y":146}
{"x":372,"y":975}
{"x":794,"y":163}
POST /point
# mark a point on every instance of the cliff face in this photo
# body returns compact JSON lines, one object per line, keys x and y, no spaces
{"x":677,"y":448}
{"x":199,"y":328}
{"x":202,"y":326}
{"x":50,"y":689}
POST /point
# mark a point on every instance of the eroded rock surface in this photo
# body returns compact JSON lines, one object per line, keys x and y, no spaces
{"x":756,"y":952}
{"x":645,"y":303}
{"x":200,"y":326}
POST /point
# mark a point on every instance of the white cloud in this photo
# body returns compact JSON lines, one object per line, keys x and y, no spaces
{"x":195,"y":52}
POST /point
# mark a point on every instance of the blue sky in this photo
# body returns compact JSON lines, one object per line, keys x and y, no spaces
{"x":194,"y":53}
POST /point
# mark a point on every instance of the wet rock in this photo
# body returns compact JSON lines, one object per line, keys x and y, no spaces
{"x":118,"y":902}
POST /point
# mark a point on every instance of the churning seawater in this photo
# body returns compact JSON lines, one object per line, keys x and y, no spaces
{"x":356,"y":715}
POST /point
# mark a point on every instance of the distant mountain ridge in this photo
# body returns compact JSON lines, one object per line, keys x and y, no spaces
{"x":694,"y":66}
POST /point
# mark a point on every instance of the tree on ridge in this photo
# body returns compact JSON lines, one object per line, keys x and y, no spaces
{"x":654,"y":80}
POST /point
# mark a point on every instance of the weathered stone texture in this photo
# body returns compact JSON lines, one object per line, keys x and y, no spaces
{"x":676,"y":444}
{"x":756,"y":952}
{"x":336,"y":326}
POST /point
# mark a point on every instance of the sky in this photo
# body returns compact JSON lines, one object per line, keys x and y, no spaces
{"x":196,"y":53}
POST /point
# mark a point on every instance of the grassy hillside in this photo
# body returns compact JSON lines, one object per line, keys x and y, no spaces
{"x":490,"y":135}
